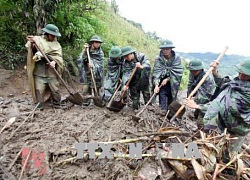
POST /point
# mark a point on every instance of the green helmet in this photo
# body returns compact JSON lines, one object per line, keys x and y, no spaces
{"x":166,"y":44}
{"x":195,"y":64}
{"x":244,"y":67}
{"x":95,"y":38}
{"x":51,"y":29}
{"x":127,"y":50}
{"x":115,"y":52}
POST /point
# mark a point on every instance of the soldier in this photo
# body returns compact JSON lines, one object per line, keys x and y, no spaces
{"x":114,"y":73}
{"x":40,"y":74}
{"x":206,"y":90}
{"x":231,"y":108}
{"x":168,"y":72}
{"x":140,"y":81}
{"x":96,"y":63}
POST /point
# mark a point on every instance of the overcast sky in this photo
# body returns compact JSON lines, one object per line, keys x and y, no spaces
{"x":194,"y":25}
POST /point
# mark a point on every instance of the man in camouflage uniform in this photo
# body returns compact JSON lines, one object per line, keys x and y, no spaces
{"x":140,"y":81}
{"x":40,"y":74}
{"x":114,"y":73}
{"x":168,"y":72}
{"x":231,"y":108}
{"x":96,"y":62}
{"x":206,"y":90}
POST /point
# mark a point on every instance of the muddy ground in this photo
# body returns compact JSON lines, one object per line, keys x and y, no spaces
{"x":51,"y":133}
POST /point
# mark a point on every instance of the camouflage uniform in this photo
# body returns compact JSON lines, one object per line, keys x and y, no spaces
{"x":171,"y":69}
{"x":97,"y":60}
{"x":206,"y":90}
{"x":140,"y":81}
{"x":231,"y":108}
{"x":40,"y":74}
{"x":114,"y":73}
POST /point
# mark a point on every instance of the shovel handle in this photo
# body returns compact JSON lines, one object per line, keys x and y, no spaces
{"x":92,"y":74}
{"x":200,"y":83}
{"x":149,"y":101}
{"x":58,"y":75}
{"x":120,"y":84}
{"x":129,"y":80}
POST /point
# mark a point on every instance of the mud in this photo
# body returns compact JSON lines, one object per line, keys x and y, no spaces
{"x":51,"y":133}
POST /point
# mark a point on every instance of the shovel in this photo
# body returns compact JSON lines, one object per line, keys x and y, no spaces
{"x":116,"y":105}
{"x":199,"y":84}
{"x":97,"y":99}
{"x":113,"y":96}
{"x":136,"y":117}
{"x":75,"y":97}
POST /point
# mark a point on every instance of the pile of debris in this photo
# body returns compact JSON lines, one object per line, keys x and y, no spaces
{"x":36,"y":144}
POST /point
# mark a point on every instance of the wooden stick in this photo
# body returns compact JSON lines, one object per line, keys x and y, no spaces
{"x":199,"y":84}
{"x":89,"y":127}
{"x":25,"y":163}
{"x":113,"y":96}
{"x":92,"y":74}
{"x":163,"y":134}
{"x":215,"y":171}
{"x":126,"y":140}
{"x":13,"y":162}
{"x":32,"y":112}
{"x":192,"y":136}
{"x":128,"y":82}
{"x":146,"y":105}
{"x":164,"y":119}
{"x":8,"y":123}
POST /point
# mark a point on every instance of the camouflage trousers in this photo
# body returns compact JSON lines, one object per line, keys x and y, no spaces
{"x":135,"y":96}
{"x":88,"y":82}
{"x":198,"y":116}
{"x":41,"y":83}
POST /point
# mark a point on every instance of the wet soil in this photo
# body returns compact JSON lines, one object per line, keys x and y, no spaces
{"x":51,"y":134}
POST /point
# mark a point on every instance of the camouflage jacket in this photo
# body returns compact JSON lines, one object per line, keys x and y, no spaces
{"x":141,"y":77}
{"x":97,"y":60}
{"x":114,"y":73}
{"x":173,"y":69}
{"x":231,"y":109}
{"x":206,"y":90}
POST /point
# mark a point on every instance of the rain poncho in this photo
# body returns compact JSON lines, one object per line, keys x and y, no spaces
{"x":172,"y":68}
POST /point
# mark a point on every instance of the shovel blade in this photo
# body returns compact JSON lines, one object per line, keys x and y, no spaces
{"x":136,"y":118}
{"x":174,"y":107}
{"x":116,"y":106}
{"x":98,"y":102}
{"x":75,"y":98}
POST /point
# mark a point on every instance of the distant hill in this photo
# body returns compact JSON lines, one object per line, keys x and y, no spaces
{"x":226,"y":64}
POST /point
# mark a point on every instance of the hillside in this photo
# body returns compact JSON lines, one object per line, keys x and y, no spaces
{"x":227,"y":63}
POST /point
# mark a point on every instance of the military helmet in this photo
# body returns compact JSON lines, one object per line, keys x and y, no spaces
{"x":115,"y":52}
{"x":195,"y":64}
{"x":51,"y":29}
{"x":95,"y":38}
{"x":127,"y":50}
{"x":166,"y":44}
{"x":244,"y":67}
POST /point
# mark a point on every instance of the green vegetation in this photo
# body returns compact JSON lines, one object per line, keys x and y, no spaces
{"x":78,"y":21}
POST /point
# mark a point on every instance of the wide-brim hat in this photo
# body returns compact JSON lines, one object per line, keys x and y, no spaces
{"x":127,"y":50}
{"x":95,"y":38}
{"x":195,"y":64}
{"x":115,"y":52}
{"x":166,"y":44}
{"x":244,"y":67}
{"x":52,"y":29}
